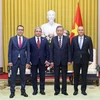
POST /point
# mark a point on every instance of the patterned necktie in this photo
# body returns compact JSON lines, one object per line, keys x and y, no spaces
{"x":80,"y":43}
{"x":20,"y":42}
{"x":38,"y":42}
{"x":60,"y":45}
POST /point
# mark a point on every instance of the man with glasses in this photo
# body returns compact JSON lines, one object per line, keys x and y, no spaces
{"x":18,"y":57}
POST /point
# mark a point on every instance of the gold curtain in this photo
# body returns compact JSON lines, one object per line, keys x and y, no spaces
{"x":33,"y":13}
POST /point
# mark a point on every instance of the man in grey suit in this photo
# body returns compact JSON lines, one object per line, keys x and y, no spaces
{"x":60,"y":57}
{"x":18,"y":57}
{"x":82,"y":56}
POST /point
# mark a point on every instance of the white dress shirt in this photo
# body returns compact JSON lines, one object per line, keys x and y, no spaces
{"x":80,"y":41}
{"x":36,"y":39}
{"x":21,"y":39}
{"x":60,"y":38}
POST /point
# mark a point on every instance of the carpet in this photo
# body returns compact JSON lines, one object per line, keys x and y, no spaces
{"x":92,"y":91}
{"x":4,"y":76}
{"x":3,"y":84}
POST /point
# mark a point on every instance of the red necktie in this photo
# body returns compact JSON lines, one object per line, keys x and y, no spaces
{"x":38,"y":43}
{"x":20,"y":43}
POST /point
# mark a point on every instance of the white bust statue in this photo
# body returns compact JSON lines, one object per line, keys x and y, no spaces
{"x":50,"y":27}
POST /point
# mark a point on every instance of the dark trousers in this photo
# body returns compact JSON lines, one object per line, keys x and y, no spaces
{"x":41,"y":74}
{"x":57,"y":77}
{"x":14,"y":70}
{"x":83,"y":68}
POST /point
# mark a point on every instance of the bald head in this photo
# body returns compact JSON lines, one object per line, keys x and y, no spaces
{"x":80,"y":30}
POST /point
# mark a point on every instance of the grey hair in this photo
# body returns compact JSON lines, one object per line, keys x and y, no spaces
{"x":37,"y":28}
{"x":59,"y":27}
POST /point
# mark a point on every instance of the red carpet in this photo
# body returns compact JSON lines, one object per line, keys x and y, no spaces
{"x":4,"y":76}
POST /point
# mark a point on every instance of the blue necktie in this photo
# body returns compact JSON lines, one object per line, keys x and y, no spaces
{"x":80,"y":43}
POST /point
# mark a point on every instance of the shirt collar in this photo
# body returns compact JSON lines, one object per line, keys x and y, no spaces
{"x":37,"y":37}
{"x":60,"y":37}
{"x":19,"y":36}
{"x":81,"y":37}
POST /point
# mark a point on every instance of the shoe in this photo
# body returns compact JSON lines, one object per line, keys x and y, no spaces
{"x":12,"y":95}
{"x":56,"y":93}
{"x":75,"y":93}
{"x":34,"y":93}
{"x":65,"y":93}
{"x":42,"y":92}
{"x":24,"y":94}
{"x":84,"y":93}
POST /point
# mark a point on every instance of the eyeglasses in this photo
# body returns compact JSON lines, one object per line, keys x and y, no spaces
{"x":20,"y":29}
{"x":37,"y":31}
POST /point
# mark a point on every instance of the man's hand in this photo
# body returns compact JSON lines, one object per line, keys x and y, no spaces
{"x":47,"y":63}
{"x":52,"y":64}
{"x":30,"y":63}
{"x":10,"y":64}
{"x":89,"y":63}
{"x":28,"y":66}
{"x":69,"y":63}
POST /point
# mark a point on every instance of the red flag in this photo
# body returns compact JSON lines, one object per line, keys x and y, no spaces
{"x":77,"y":23}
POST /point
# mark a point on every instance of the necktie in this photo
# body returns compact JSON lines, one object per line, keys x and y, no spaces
{"x":60,"y":45}
{"x":80,"y":43}
{"x":38,"y":43}
{"x":20,"y":43}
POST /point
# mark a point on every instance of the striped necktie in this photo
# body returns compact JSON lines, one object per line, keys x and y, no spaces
{"x":60,"y":45}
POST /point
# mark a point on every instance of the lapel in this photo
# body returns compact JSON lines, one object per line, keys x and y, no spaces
{"x":84,"y":41}
{"x":57,"y":42}
{"x":42,"y":40}
{"x":63,"y":42}
{"x":15,"y":41}
{"x":23,"y":43}
{"x":77,"y":41}
{"x":34,"y":42}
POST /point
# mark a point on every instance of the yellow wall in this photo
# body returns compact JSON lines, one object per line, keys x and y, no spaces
{"x":32,"y":13}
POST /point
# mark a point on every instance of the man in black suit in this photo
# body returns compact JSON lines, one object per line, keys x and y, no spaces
{"x":39,"y":56}
{"x":82,"y":56}
{"x":18,"y":57}
{"x":60,"y":57}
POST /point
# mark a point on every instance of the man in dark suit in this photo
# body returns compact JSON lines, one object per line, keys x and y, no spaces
{"x":39,"y":56}
{"x":82,"y":56}
{"x":18,"y":57}
{"x":60,"y":57}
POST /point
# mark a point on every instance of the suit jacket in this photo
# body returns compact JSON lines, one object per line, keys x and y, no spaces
{"x":85,"y":54}
{"x":36,"y":53}
{"x":14,"y":51}
{"x":60,"y":55}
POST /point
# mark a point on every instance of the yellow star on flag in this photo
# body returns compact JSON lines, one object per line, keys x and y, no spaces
{"x":75,"y":30}
{"x":76,"y":24}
